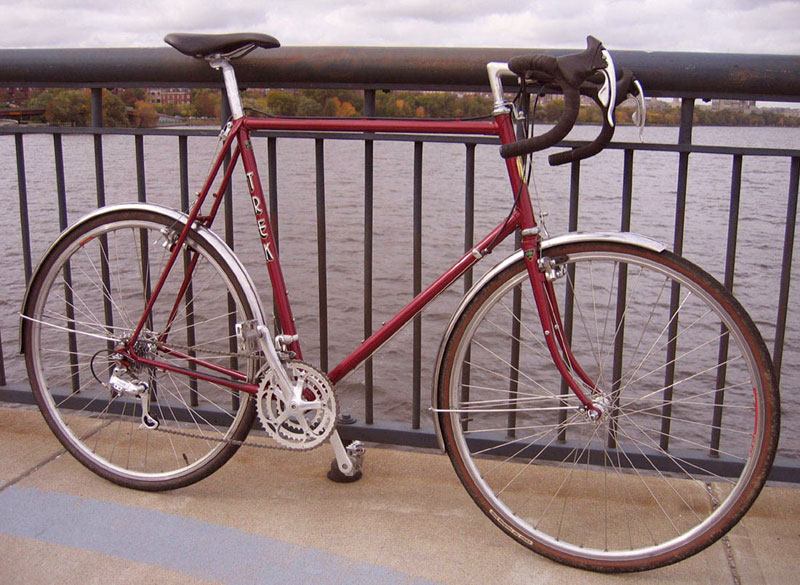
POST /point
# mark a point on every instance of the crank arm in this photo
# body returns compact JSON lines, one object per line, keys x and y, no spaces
{"x":349,"y":459}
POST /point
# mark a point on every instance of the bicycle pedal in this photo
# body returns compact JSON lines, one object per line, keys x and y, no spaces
{"x":355,"y":453}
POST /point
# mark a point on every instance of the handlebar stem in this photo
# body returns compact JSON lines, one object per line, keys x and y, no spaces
{"x":496,"y":70}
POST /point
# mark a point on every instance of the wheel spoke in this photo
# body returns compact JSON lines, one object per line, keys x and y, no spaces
{"x":199,"y":422}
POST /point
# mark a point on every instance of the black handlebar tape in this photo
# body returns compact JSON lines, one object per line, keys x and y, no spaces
{"x":524,"y":65}
{"x":572,"y":103}
{"x":607,"y":132}
{"x":582,"y":152}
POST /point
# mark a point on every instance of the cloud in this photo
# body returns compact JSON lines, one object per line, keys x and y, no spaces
{"x":747,"y":26}
{"x":93,"y":23}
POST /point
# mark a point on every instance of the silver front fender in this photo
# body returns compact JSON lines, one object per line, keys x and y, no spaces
{"x":570,"y":238}
{"x":217,"y":243}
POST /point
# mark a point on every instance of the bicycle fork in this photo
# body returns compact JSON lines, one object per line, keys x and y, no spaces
{"x":543,"y":271}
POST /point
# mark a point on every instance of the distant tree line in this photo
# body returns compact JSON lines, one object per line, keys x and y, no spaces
{"x":668,"y":115}
{"x":130,"y":107}
{"x":350,"y":103}
{"x":407,"y":104}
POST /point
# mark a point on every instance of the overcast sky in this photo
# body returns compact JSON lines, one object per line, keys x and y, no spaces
{"x":743,"y":26}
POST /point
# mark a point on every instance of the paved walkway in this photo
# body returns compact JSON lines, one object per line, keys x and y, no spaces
{"x":273,"y":517}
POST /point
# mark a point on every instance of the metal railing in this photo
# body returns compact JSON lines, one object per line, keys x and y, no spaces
{"x":682,"y":75}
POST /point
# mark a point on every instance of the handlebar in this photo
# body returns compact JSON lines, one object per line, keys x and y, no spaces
{"x":591,"y":72}
{"x":623,"y":85}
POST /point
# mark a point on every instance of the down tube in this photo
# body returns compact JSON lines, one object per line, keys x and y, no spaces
{"x":382,"y":335}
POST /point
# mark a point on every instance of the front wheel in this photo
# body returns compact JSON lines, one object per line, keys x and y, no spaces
{"x":690,"y":409}
{"x":138,"y":426}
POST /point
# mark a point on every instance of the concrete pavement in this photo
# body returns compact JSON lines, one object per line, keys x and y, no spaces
{"x":273,"y":517}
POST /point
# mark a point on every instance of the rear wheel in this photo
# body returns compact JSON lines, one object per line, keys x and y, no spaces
{"x":690,"y":409}
{"x":84,"y":303}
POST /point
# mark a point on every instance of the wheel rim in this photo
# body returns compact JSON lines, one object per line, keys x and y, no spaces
{"x":570,"y":514}
{"x":197,"y":420}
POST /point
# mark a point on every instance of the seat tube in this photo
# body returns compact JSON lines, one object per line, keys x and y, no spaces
{"x":259,"y":202}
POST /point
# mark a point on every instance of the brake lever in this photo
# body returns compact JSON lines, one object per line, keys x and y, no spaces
{"x":640,"y":115}
{"x":607,"y":94}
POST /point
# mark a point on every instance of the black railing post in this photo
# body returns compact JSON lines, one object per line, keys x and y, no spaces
{"x":786,"y":266}
{"x":569,"y":292}
{"x":730,"y":263}
{"x":100,"y":189}
{"x":183,"y":173}
{"x":272,"y":166}
{"x":469,"y":242}
{"x":141,"y":186}
{"x":69,"y":307}
{"x":684,"y":139}
{"x":322,"y":253}
{"x":2,"y":365}
{"x":24,"y":227}
{"x":24,"y":222}
{"x":416,"y":385}
{"x":96,"y":105}
{"x":622,"y":299}
{"x":369,"y":204}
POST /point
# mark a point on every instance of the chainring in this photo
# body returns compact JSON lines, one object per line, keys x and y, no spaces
{"x":310,"y":422}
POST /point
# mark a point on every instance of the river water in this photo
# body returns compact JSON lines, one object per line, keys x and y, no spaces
{"x":765,"y":186}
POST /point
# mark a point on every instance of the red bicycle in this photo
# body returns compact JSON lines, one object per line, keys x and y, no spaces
{"x":604,"y":402}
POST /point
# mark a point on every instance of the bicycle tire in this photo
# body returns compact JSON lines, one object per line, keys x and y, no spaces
{"x":638,"y":489}
{"x":87,"y":294}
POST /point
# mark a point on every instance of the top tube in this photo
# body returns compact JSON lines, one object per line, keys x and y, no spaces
{"x":411,"y":125}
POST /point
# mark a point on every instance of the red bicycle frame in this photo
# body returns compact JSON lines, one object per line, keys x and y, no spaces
{"x":237,"y":140}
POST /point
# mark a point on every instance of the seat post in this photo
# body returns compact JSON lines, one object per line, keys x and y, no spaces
{"x":231,"y":86}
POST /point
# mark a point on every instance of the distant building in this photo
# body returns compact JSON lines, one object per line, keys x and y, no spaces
{"x":178,"y":96}
{"x":736,"y":105}
{"x":15,"y":94}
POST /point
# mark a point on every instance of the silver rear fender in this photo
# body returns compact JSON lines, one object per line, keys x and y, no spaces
{"x":174,"y":216}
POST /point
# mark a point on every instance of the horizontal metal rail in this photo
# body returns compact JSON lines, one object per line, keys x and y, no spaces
{"x":671,"y":74}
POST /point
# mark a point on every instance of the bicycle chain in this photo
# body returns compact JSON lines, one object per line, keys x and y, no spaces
{"x":245,"y":443}
{"x":205,"y":350}
{"x":276,"y":446}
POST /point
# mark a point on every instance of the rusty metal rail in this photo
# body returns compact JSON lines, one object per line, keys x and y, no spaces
{"x":686,"y":75}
